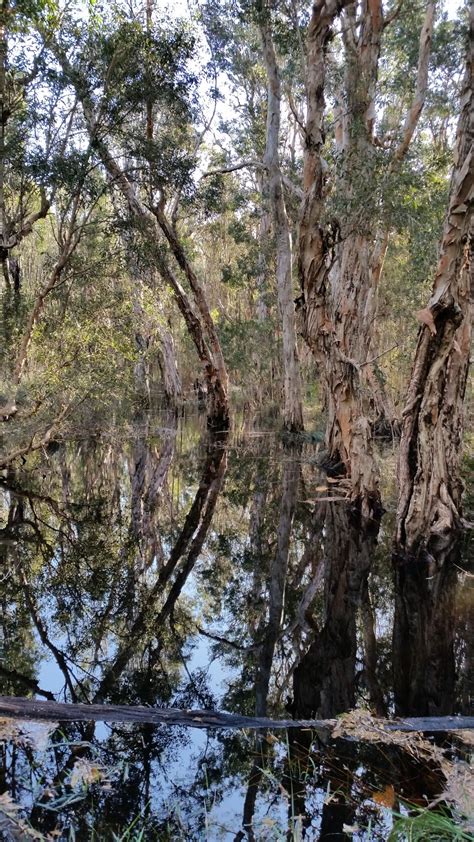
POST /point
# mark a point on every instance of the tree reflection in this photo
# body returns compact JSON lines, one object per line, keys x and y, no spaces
{"x":131,"y":574}
{"x":424,"y":637}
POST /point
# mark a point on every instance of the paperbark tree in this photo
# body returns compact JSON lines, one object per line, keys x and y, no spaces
{"x":383,"y":410}
{"x":293,"y":409}
{"x":341,"y":258}
{"x":429,"y":507}
{"x":331,"y":323}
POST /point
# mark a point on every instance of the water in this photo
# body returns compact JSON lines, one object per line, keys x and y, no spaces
{"x":147,"y":563}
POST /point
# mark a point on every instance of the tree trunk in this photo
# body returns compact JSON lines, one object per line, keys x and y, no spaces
{"x":384,"y":418}
{"x":264,"y":229}
{"x":350,"y":311}
{"x":293,"y":409}
{"x":11,"y":232}
{"x":168,"y":367}
{"x":428,"y":471}
{"x":201,"y":326}
{"x":341,"y":262}
{"x":334,"y":302}
{"x":4,"y":13}
{"x":69,"y":244}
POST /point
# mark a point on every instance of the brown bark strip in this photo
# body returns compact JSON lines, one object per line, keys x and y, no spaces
{"x":431,"y":445}
{"x":21,"y":708}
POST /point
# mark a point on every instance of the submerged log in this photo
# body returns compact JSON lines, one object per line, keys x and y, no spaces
{"x":20,"y":708}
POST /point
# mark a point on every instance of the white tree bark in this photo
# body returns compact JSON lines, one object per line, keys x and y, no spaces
{"x":293,"y":408}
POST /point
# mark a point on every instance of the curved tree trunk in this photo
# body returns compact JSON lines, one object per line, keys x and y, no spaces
{"x":154,"y":223}
{"x":200,"y":325}
{"x":431,"y":445}
{"x":180,"y":563}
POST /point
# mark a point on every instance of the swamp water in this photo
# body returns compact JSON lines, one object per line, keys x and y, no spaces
{"x":152,"y":564}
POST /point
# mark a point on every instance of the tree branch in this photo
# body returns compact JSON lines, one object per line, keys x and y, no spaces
{"x":413,"y":116}
{"x":238,"y":165}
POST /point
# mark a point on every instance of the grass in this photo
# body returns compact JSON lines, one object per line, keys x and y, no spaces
{"x":425,"y":824}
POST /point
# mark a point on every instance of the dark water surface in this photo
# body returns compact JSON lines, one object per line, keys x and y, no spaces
{"x":152,"y":564}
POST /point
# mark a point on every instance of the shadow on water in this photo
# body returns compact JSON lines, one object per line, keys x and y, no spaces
{"x":156,"y":564}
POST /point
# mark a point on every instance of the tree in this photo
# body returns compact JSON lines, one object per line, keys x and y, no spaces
{"x":27,"y":190}
{"x":429,"y":506}
{"x":148,"y":188}
{"x":293,"y":409}
{"x":341,"y":255}
{"x":259,"y":133}
{"x":74,"y":211}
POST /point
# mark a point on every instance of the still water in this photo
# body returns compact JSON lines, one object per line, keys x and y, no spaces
{"x":149,"y":563}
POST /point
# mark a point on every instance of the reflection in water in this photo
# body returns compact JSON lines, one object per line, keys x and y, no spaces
{"x":325,"y":681}
{"x":424,"y":637}
{"x":131,"y":573}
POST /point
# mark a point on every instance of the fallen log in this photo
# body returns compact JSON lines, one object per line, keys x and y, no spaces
{"x":21,"y":708}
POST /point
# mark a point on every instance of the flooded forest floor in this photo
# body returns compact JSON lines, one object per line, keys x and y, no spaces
{"x":148,"y":562}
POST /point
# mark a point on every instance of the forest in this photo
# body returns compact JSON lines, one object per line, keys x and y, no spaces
{"x":236,"y":447}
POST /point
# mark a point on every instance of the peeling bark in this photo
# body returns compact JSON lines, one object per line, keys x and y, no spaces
{"x":429,"y":506}
{"x":411,"y":120}
{"x":334,"y":303}
{"x":341,"y":261}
